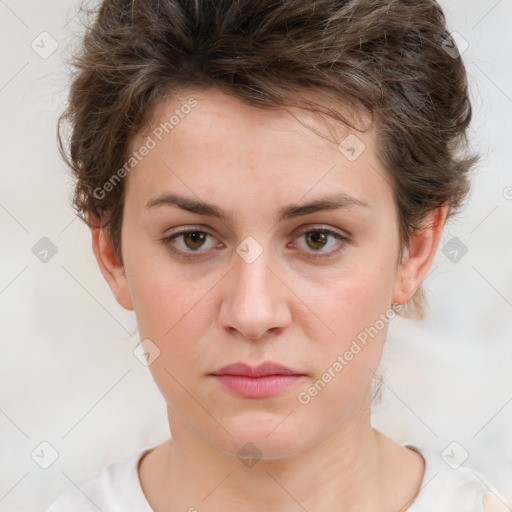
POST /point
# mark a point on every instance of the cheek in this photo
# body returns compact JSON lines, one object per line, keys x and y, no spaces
{"x":165,"y":295}
{"x":174,"y":309}
{"x":352,"y":298}
{"x":356,"y":306}
{"x":342,"y":387}
{"x":358,"y":310}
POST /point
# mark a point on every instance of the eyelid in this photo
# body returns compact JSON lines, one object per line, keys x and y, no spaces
{"x":322,"y":227}
{"x":189,"y":228}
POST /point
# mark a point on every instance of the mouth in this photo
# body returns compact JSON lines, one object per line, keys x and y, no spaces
{"x":267,"y":379}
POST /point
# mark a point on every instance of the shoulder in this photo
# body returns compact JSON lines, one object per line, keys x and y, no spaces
{"x":449,"y":486}
{"x":115,"y":488}
{"x":493,"y":503}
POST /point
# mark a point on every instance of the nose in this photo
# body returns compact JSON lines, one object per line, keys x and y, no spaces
{"x":255,"y":299}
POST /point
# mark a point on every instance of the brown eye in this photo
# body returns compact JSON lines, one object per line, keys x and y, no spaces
{"x":194,"y":239}
{"x":316,"y":239}
{"x":191,"y":243}
{"x":322,"y":243}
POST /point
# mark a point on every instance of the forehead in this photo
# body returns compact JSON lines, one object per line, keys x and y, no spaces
{"x":207,"y":141}
{"x":217,"y":115}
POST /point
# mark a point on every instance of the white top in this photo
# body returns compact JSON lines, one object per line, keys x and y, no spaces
{"x":117,"y":488}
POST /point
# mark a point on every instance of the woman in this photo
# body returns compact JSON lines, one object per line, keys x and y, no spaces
{"x":266,"y":186}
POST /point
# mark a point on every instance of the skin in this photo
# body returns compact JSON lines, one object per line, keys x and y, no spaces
{"x":215,"y":309}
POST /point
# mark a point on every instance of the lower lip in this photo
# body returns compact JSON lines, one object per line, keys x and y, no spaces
{"x":258,"y":387}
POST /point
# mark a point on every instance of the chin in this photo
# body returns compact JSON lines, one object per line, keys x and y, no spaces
{"x":253,"y":437}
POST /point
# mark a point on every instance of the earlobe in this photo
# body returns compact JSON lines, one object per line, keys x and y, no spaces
{"x":419,"y":255}
{"x":112,"y":270}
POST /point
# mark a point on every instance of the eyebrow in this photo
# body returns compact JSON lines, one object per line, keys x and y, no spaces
{"x":330,"y":202}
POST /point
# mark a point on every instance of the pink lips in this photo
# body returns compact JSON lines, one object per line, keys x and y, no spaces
{"x":262,"y":381}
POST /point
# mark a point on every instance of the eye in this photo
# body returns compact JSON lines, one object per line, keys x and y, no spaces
{"x":192,"y":241}
{"x":324,"y":242}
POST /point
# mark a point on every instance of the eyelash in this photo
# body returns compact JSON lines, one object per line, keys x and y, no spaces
{"x":168,"y":242}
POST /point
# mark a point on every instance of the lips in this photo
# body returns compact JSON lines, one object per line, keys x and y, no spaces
{"x":267,"y":379}
{"x":264,"y":369}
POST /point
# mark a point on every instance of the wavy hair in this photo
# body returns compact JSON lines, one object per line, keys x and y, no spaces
{"x":394,"y":59}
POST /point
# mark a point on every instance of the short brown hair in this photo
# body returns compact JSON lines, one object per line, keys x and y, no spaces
{"x":388,"y":57}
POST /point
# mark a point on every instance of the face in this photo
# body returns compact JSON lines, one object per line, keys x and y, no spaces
{"x":253,"y":275}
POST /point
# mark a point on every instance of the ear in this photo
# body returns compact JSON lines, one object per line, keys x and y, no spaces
{"x":418,"y":256}
{"x":112,"y":270}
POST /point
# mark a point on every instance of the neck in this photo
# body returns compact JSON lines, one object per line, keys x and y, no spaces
{"x":342,"y":472}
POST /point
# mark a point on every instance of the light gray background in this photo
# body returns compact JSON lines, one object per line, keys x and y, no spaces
{"x":68,"y":374}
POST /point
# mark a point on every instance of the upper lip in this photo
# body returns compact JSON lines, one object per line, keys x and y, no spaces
{"x":266,"y":368}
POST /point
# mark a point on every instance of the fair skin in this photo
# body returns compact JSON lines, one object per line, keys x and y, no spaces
{"x":215,"y":308}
